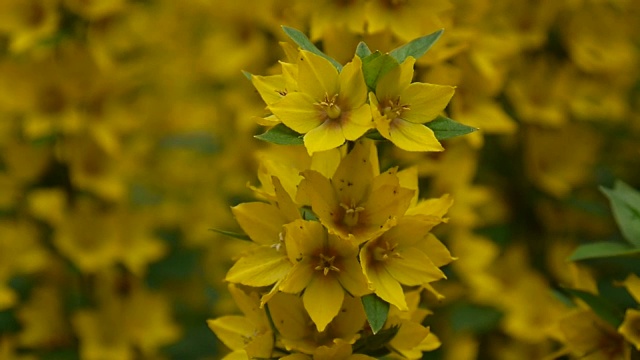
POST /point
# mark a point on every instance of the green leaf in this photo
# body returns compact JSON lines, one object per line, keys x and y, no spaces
{"x":376,"y":310}
{"x":445,"y":128}
{"x":281,"y":135}
{"x":374,"y":135}
{"x":305,"y":44}
{"x":475,"y":318}
{"x":416,"y":48}
{"x":604,"y":249}
{"x":308,"y":214}
{"x":376,"y":65}
{"x":604,"y":308}
{"x":371,"y":345}
{"x":232,"y":234}
{"x":625,"y":203}
{"x":362,"y":50}
{"x":247,"y":74}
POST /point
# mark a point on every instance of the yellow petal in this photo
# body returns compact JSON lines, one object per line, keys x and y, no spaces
{"x":354,"y":174}
{"x":357,"y":122}
{"x":262,"y":267}
{"x":413,"y":137}
{"x":284,"y":202}
{"x":413,"y":268}
{"x":322,"y":196}
{"x":322,"y":299}
{"x":426,"y":101}
{"x":262,"y":222}
{"x":353,"y":89}
{"x":397,"y":79}
{"x":326,"y":136}
{"x":632,"y":283}
{"x":409,"y":336}
{"x":289,"y":316}
{"x":630,"y":327}
{"x":316,"y":76}
{"x":436,"y":207}
{"x":383,"y":284}
{"x":232,"y":330}
{"x":435,"y":250}
{"x":271,"y":88}
{"x":296,"y":110}
{"x":298,"y":278}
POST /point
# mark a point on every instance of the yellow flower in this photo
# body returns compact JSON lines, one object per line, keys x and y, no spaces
{"x":590,"y":338}
{"x":355,"y":204}
{"x":630,"y":327}
{"x":408,"y":19}
{"x":330,"y":106}
{"x":399,"y":108}
{"x":325,"y":267}
{"x":397,"y":258}
{"x":250,"y":333}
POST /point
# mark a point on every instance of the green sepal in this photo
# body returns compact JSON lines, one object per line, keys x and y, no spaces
{"x":247,"y":74}
{"x":373,"y":344}
{"x":362,"y":50}
{"x":604,"y":249}
{"x":232,"y":234}
{"x":625,"y":204}
{"x":376,"y":310}
{"x":604,"y":308}
{"x":308,"y":214}
{"x":375,"y":66}
{"x":305,"y":44}
{"x":416,"y":48}
{"x":443,"y":128}
{"x":281,"y":135}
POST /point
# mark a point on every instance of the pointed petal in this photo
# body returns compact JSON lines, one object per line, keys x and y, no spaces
{"x":352,"y":278}
{"x":435,"y":250}
{"x":353,"y":89}
{"x":395,"y":81}
{"x":357,"y":122}
{"x":316,"y":76}
{"x":304,"y":238}
{"x":262,"y":267}
{"x":385,"y":203}
{"x":269,"y":87}
{"x":289,"y":316}
{"x":323,"y":199}
{"x":413,"y":137}
{"x":426,"y":101}
{"x":436,"y":207}
{"x":249,"y":305}
{"x":298,"y":278}
{"x":324,"y":137}
{"x":385,"y":286}
{"x":231,"y":330}
{"x":326,"y":162}
{"x":296,"y":110}
{"x":354,"y":174}
{"x":284,"y":203}
{"x":322,"y":299}
{"x":413,"y":268}
{"x":262,"y":222}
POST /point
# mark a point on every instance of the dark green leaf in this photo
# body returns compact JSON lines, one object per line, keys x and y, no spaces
{"x":281,"y":135}
{"x":376,"y":310}
{"x":232,"y":234}
{"x":305,"y":44}
{"x":374,"y":135}
{"x":625,"y":203}
{"x":603,"y":249}
{"x":605,"y":309}
{"x":475,"y":318}
{"x":416,"y":48}
{"x":376,"y":65}
{"x":308,"y":214}
{"x":370,"y":345}
{"x":445,"y":128}
{"x":362,"y":50}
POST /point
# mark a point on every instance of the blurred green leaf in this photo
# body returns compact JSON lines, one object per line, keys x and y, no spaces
{"x":604,"y":308}
{"x":603,"y":250}
{"x":625,"y":203}
{"x":416,"y":48}
{"x":375,"y":66}
{"x":232,"y":234}
{"x":247,"y":74}
{"x":281,"y":135}
{"x":371,"y":345}
{"x":362,"y":50}
{"x":376,"y":310}
{"x":474,"y":318}
{"x":305,"y":44}
{"x":446,"y":128}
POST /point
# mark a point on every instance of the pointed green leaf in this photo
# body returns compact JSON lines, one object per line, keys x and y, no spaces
{"x":247,"y":74}
{"x":376,"y":65}
{"x":376,"y":310}
{"x":416,"y":48}
{"x":604,"y":249}
{"x":281,"y":135}
{"x":232,"y":234}
{"x":625,"y":203}
{"x":604,"y":308}
{"x":308,"y":214}
{"x":362,"y":50}
{"x":371,"y":345}
{"x":305,"y":44}
{"x":445,"y":128}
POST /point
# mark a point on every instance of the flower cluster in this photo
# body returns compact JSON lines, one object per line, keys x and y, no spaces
{"x":345,"y":241}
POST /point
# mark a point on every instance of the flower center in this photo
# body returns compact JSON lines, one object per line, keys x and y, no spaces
{"x":330,"y":106}
{"x":392,"y":109}
{"x":326,"y":264}
{"x":384,"y":250}
{"x":351,"y":214}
